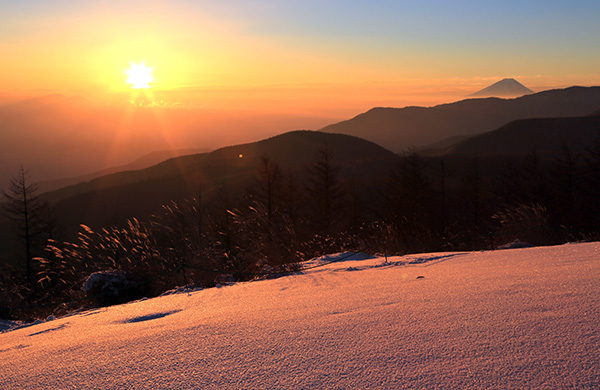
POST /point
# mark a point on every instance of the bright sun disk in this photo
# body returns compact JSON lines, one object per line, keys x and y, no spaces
{"x":139,"y":75}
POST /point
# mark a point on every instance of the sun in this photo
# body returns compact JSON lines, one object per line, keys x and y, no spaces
{"x":139,"y":75}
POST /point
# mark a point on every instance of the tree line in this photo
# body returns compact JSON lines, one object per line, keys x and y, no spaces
{"x":285,"y":217}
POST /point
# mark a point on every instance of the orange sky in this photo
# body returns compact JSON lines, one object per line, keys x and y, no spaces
{"x":237,"y":71}
{"x":314,"y":58}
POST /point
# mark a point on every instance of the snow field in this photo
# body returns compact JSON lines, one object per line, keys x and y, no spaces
{"x":519,"y":318}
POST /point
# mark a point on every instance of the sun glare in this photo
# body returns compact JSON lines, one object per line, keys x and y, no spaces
{"x":139,"y":75}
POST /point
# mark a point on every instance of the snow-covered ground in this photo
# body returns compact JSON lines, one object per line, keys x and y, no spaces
{"x":518,"y":318}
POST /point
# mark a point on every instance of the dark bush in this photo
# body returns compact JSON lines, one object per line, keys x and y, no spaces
{"x":114,"y":287}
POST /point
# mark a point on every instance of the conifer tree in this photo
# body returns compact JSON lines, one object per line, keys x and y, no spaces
{"x":325,"y":191}
{"x":269,"y":183}
{"x":25,"y":210}
{"x":567,"y":175}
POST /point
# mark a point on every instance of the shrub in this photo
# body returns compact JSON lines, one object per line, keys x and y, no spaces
{"x":525,"y":222}
{"x":114,"y":287}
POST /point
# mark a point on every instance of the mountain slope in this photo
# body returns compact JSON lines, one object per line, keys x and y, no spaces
{"x":58,"y":137}
{"x":141,"y":163}
{"x":506,"y":88}
{"x":399,"y":128}
{"x":547,"y":136}
{"x":520,"y":318}
{"x":112,"y":198}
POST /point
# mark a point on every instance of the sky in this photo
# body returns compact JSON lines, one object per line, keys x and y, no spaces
{"x":314,"y":57}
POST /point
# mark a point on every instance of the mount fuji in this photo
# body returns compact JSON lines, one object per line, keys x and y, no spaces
{"x":508,"y":87}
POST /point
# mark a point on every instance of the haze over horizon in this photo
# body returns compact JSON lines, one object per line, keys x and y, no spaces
{"x":215,"y":74}
{"x":316,"y":59}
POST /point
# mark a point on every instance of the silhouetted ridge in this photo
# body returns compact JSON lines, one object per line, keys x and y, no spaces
{"x":145,"y":161}
{"x":400,"y":128}
{"x":547,"y":136}
{"x":139,"y":193}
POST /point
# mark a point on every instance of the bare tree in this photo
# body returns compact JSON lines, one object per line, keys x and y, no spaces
{"x":325,"y":191}
{"x":567,"y":176}
{"x":24,"y":208}
{"x":472,"y":193}
{"x":409,"y":189}
{"x":268,"y":185}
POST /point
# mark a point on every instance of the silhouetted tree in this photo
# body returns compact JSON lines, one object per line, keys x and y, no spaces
{"x":409,"y":191}
{"x":291,"y":198}
{"x":268,"y":186}
{"x":221,"y":220}
{"x":472,"y":193}
{"x":266,"y":233}
{"x":325,"y":192}
{"x":477,"y":204}
{"x":566,"y":174}
{"x":509,"y":187}
{"x":410,"y":201}
{"x":534,"y":178}
{"x":24,"y":208}
{"x":442,"y":195}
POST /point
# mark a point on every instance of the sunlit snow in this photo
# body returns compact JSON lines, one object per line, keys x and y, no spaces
{"x":516,"y":318}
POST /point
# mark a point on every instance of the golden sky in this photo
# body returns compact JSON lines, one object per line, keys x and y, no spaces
{"x":300,"y":57}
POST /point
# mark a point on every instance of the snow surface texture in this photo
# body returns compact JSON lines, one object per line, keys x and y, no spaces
{"x":518,"y":318}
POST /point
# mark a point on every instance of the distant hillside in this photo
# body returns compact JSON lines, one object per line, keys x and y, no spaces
{"x":112,"y":198}
{"x":546,"y":136}
{"x":439,"y":148}
{"x":141,"y":163}
{"x":399,"y":128}
{"x":507,"y":88}
{"x":57,"y":137}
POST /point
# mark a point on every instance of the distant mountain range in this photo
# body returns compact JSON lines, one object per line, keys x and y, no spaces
{"x":231,"y":170}
{"x":112,"y":198}
{"x":59,"y":137}
{"x":56,"y":137}
{"x":506,"y":88}
{"x":491,"y":127}
{"x":400,"y":128}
